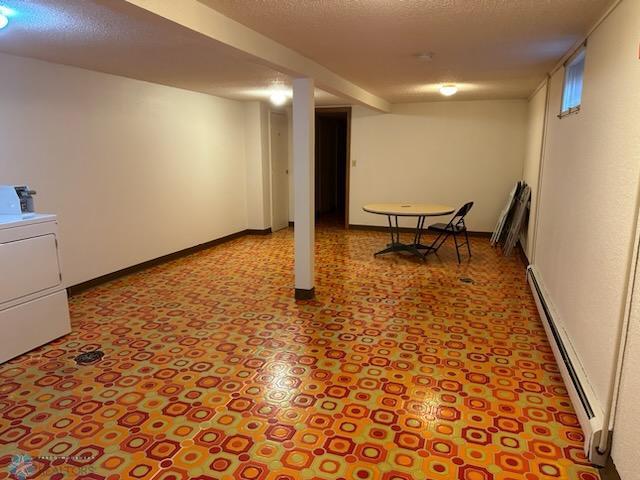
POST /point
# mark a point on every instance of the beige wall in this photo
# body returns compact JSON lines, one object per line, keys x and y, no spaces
{"x":257,"y":159}
{"x":587,"y":206}
{"x":626,"y":438}
{"x":134,"y":170}
{"x":530,"y":171}
{"x":627,"y":425}
{"x":441,"y":152}
{"x":588,"y":193}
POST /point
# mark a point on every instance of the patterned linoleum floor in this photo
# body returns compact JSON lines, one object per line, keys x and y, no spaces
{"x":399,"y":370}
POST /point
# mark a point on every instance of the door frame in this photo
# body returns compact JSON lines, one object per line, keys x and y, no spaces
{"x":287,"y":116}
{"x":346,"y":110}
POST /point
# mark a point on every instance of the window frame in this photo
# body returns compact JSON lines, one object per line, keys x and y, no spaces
{"x":580,"y":52}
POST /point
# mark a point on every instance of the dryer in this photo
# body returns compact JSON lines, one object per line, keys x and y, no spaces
{"x":33,"y":300}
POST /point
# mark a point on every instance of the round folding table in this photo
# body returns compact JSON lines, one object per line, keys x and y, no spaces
{"x":419,"y":210}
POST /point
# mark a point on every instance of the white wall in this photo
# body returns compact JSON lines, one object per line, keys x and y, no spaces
{"x":626,"y":436}
{"x":439,"y":152}
{"x":257,"y":156}
{"x":530,"y":171}
{"x":627,"y":425}
{"x":588,"y":194}
{"x":134,"y":170}
{"x":291,"y":185}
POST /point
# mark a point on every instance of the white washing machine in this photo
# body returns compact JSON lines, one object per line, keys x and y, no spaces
{"x":33,"y":301}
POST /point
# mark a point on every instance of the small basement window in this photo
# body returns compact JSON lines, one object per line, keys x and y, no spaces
{"x":572,"y":87}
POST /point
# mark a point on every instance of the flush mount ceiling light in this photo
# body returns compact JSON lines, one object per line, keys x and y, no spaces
{"x":278,"y":98}
{"x":424,"y":56}
{"x":4,"y":18}
{"x":5,"y":13}
{"x":448,"y":90}
{"x":280,"y":93}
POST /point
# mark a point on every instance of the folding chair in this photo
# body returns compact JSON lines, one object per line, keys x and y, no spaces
{"x":455,"y":227}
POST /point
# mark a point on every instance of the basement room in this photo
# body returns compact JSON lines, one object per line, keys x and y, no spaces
{"x":319,"y":240}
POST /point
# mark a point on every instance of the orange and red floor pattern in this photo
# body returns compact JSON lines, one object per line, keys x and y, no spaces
{"x":398,"y":370}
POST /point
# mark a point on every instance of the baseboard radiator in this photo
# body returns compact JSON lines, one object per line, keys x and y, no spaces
{"x":587,"y":407}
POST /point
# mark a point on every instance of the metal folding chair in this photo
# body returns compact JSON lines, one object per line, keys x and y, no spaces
{"x":456,"y":227}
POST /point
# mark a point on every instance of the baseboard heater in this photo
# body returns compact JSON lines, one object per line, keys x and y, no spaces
{"x":586,"y":405}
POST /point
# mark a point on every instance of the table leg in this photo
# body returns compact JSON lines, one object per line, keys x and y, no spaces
{"x":391,"y":247}
{"x":419,"y":227}
{"x":395,"y":245}
{"x":394,"y":239}
{"x":417,"y":243}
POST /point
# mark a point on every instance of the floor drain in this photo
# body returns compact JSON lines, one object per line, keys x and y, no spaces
{"x":466,"y":280}
{"x":89,"y":357}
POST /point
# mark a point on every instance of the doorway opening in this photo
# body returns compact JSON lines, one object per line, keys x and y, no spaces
{"x":279,"y":154}
{"x":332,"y":145}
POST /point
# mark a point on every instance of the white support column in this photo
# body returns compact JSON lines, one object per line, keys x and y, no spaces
{"x":304,"y":186}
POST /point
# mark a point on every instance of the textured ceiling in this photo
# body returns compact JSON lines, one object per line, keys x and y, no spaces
{"x":491,"y":48}
{"x":115,"y":37}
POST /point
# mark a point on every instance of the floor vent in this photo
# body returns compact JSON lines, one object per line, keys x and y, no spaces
{"x":87,"y":358}
{"x":589,"y":413}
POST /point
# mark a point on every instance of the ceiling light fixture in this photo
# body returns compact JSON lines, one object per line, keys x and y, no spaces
{"x":448,"y":90}
{"x":278,"y":98}
{"x":424,"y":56}
{"x":5,"y":13}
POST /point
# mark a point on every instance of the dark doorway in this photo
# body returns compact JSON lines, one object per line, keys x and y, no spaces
{"x":333,"y":127}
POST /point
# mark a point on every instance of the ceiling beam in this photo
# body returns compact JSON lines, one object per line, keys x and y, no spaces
{"x":200,"y":18}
